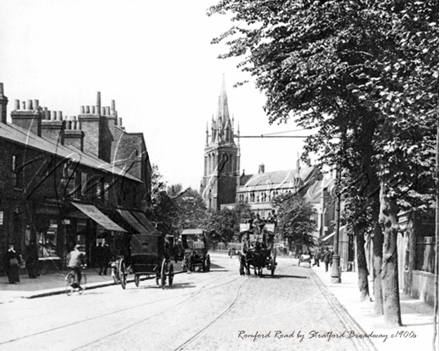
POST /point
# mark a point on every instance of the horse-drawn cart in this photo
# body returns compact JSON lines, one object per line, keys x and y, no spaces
{"x":257,"y":250}
{"x":148,"y":257}
{"x":195,"y":245}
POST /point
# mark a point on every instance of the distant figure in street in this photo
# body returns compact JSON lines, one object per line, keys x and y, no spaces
{"x":32,"y":260}
{"x":76,"y":259}
{"x":316,"y":257}
{"x":327,"y":258}
{"x":12,"y":262}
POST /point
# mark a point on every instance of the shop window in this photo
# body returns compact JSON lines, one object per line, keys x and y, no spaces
{"x":47,"y":241}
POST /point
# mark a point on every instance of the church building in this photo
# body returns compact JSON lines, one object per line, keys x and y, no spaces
{"x":222,"y":157}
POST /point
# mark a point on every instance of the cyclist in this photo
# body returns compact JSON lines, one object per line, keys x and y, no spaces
{"x":76,"y":259}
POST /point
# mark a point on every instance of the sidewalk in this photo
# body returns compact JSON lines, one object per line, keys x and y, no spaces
{"x":54,"y":283}
{"x":417,"y":317}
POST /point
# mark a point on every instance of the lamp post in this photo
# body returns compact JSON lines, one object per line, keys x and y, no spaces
{"x":336,"y":271}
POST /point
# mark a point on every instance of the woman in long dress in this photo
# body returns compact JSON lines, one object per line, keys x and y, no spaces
{"x":12,"y":264}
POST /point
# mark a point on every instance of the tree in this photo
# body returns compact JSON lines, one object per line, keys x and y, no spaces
{"x":224,"y":224}
{"x":359,"y":71}
{"x":296,"y":221}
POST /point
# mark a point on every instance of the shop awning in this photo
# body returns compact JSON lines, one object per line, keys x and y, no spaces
{"x":146,"y":223}
{"x":134,"y":223}
{"x":98,"y":217}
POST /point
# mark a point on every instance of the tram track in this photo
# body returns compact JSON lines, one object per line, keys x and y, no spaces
{"x":187,"y":296}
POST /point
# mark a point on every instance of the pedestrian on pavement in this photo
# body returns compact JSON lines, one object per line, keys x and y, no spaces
{"x":32,"y":260}
{"x":76,"y":259}
{"x":316,"y":258}
{"x":104,"y":259}
{"x":327,"y":258}
{"x":12,"y":262}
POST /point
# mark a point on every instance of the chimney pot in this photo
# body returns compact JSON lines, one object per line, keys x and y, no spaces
{"x":46,"y":113}
{"x":82,"y":110}
{"x":87,"y":109}
{"x":103,"y":111}
{"x":17,"y":105}
{"x":98,"y":102}
{"x":120,"y":122}
{"x":36,"y":104}
{"x":60,"y":115}
{"x":29,"y":105}
{"x":1,"y":89}
{"x":23,"y":105}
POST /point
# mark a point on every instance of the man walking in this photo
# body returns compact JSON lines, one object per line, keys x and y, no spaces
{"x":327,"y":258}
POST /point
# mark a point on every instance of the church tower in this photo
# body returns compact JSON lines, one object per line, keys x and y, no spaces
{"x":222,"y":157}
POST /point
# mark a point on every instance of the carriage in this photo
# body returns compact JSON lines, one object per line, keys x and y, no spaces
{"x":148,"y":256}
{"x":195,"y":246}
{"x":257,"y":250}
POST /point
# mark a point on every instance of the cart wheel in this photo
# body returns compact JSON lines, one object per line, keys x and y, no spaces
{"x":137,"y":278}
{"x":170,"y":275}
{"x":114,"y":276}
{"x":122,"y":275}
{"x":69,"y":281}
{"x":208,"y":264}
{"x":163,"y":273}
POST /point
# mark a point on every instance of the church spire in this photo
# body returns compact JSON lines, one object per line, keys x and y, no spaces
{"x":223,"y":108}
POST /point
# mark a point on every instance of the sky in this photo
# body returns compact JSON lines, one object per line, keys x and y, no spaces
{"x":155,"y":59}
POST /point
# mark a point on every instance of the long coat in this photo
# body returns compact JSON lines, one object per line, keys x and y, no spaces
{"x":12,"y":262}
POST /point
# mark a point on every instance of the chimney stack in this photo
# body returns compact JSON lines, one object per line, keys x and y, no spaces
{"x":3,"y":104}
{"x":29,"y":117}
{"x":53,"y":128}
{"x":73,"y":135}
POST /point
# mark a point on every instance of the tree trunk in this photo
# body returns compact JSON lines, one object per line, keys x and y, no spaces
{"x":361,"y":264}
{"x":377,"y":268}
{"x":390,"y":278}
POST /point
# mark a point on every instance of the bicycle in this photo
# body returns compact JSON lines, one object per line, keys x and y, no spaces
{"x":72,"y":282}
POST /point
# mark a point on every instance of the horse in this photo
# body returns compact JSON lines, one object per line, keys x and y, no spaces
{"x":254,"y":257}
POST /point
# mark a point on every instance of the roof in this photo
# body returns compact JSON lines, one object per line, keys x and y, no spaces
{"x":279,"y":178}
{"x":22,"y":136}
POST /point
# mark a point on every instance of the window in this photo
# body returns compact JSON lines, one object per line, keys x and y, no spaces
{"x":106,"y":190}
{"x":83,"y":183}
{"x":14,"y":174}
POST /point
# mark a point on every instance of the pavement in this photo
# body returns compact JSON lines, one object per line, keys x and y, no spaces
{"x":417,"y":332}
{"x":417,"y":317}
{"x":54,"y":283}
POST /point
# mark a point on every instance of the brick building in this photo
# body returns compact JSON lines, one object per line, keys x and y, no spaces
{"x":67,"y":181}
